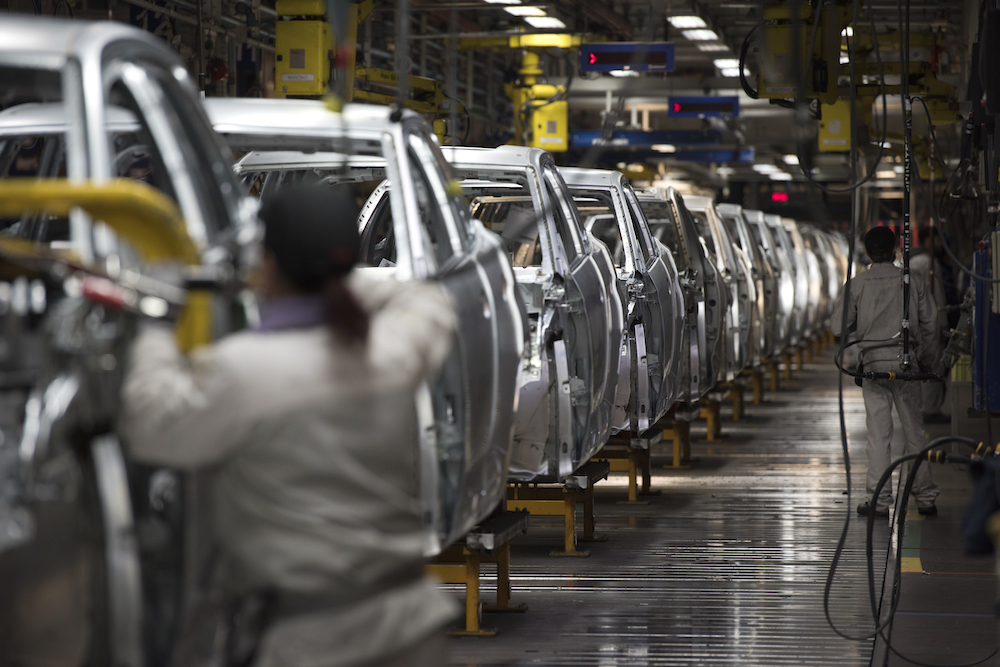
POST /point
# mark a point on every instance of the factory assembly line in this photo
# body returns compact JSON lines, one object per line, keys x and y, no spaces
{"x":534,"y":301}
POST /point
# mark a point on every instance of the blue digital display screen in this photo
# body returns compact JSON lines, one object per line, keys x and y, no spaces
{"x":634,"y":56}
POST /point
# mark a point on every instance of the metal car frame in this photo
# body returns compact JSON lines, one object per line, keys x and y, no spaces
{"x":650,"y":282}
{"x":799,"y":270}
{"x":705,"y":295}
{"x":566,"y":408}
{"x":735,"y":273}
{"x":467,"y":413}
{"x":764,"y":321}
{"x":67,"y":422}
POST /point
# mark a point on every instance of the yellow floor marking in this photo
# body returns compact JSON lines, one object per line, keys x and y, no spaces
{"x":911,"y":564}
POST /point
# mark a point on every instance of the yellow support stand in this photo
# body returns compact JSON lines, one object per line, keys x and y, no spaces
{"x":464,"y":571}
{"x":710,"y":413}
{"x":560,"y":502}
{"x":680,"y":433}
{"x":787,"y":359}
{"x":757,"y":383}
{"x":808,"y":353}
{"x":798,"y":359}
{"x":735,"y":396}
{"x":831,"y":340}
{"x":772,"y":371}
{"x":630,"y":460}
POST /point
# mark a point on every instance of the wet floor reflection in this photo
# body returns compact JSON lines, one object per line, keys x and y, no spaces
{"x":726,"y":566}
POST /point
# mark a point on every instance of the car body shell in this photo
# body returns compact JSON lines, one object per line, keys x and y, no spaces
{"x":705,"y":297}
{"x":650,"y":282}
{"x":83,"y":540}
{"x":467,"y":411}
{"x":764,"y":320}
{"x":736,"y":274}
{"x":567,"y":404}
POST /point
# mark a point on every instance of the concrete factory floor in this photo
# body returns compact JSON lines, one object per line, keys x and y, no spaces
{"x":728,"y":564}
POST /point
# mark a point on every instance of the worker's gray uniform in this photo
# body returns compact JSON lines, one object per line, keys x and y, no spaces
{"x":921,"y":265}
{"x":314,"y":492}
{"x":876,"y":311}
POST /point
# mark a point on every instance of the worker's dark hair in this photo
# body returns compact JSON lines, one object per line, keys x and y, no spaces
{"x":880,"y":244}
{"x":312,"y":231}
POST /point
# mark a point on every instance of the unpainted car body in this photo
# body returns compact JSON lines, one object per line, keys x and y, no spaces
{"x":648,"y":277}
{"x":781,"y":265}
{"x":764,"y":308}
{"x":576,"y":318}
{"x":418,"y":231}
{"x":799,"y":270}
{"x":735,"y":273}
{"x":83,"y":531}
{"x":705,"y":297}
{"x":814,"y":278}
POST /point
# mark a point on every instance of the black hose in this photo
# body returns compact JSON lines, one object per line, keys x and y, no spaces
{"x":751,"y":93}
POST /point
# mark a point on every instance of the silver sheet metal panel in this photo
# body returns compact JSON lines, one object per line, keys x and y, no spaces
{"x":727,"y":566}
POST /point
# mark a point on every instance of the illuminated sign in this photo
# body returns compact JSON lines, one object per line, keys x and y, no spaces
{"x":703,"y":107}
{"x":633,"y":56}
{"x":779,"y":197}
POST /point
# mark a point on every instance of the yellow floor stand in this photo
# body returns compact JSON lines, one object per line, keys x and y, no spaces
{"x":772,"y":371}
{"x":757,"y":383}
{"x":735,"y":396}
{"x":787,"y":359}
{"x":560,"y":501}
{"x":710,"y":413}
{"x":679,"y":433}
{"x":634,"y":461}
{"x":460,"y":564}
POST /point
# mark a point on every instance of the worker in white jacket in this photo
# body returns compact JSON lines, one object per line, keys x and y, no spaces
{"x":309,"y":424}
{"x":875,"y":312}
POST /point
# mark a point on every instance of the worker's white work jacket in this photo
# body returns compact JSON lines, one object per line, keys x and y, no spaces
{"x":313,"y":446}
{"x":876,"y":312}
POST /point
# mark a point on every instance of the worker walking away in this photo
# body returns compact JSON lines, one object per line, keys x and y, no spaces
{"x":875,"y":312}
{"x":309,"y":424}
{"x":929,"y":266}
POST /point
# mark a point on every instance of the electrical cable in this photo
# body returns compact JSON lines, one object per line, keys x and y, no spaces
{"x":751,"y":93}
{"x":902,"y":499}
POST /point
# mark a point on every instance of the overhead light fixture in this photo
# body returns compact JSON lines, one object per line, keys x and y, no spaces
{"x":700,"y":35}
{"x":791,"y":159}
{"x":725,"y":171}
{"x":765,"y":168}
{"x":780,"y":176}
{"x":709,"y":48}
{"x":545,"y":22}
{"x":664,"y":148}
{"x":898,"y":169}
{"x":525,"y":11}
{"x":687,"y":22}
{"x":504,"y":2}
{"x":727,"y":63}
{"x":847,"y":32}
{"x":887,"y":173}
{"x":844,"y":58}
{"x":734,"y":72}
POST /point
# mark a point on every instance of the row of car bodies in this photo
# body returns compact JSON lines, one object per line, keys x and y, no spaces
{"x":585,"y":308}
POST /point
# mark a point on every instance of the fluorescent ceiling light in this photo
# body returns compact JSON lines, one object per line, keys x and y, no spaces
{"x":847,"y":32}
{"x":780,"y":176}
{"x":664,"y":148}
{"x":724,"y":63}
{"x":725,"y":171}
{"x":504,"y":2}
{"x":622,"y":72}
{"x":687,"y":22}
{"x":525,"y":11}
{"x":844,"y":58}
{"x":700,"y":35}
{"x":765,"y":168}
{"x":888,"y":173}
{"x":898,"y":169}
{"x":734,"y":72}
{"x":544,"y":22}
{"x":708,"y":48}
{"x":791,"y":159}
